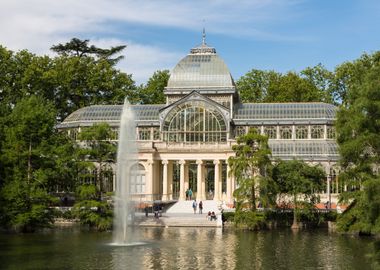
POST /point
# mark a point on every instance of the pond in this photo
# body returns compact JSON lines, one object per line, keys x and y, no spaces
{"x":186,"y":248}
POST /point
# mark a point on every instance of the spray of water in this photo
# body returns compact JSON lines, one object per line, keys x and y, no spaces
{"x":126,"y":159}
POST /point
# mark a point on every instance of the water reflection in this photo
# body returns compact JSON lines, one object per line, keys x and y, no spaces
{"x":187,"y":248}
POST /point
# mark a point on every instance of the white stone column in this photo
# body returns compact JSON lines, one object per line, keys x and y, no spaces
{"x":186,"y":176}
{"x":170,"y":180}
{"x":216,"y":180}
{"x":228,"y":184}
{"x":199,"y":179}
{"x":149,"y":180}
{"x":182,"y":181}
{"x":328,"y":187}
{"x":114,"y":181}
{"x":165,"y":180}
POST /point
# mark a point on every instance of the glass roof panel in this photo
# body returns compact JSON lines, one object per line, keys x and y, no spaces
{"x":267,"y":111}
{"x":304,"y":149}
{"x":104,"y":113}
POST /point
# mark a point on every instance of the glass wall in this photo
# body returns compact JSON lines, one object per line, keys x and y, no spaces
{"x":194,"y":121}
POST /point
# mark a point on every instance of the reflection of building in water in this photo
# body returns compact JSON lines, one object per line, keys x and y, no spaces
{"x":186,"y":142}
{"x":194,"y":248}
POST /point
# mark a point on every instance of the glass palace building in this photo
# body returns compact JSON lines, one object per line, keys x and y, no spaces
{"x":186,"y":142}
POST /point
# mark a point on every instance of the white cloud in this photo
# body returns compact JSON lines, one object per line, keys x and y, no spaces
{"x":38,"y":24}
{"x":141,"y":60}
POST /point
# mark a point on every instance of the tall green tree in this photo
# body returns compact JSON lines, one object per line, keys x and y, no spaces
{"x":358,"y":127}
{"x":24,"y":195}
{"x":300,"y":181}
{"x":250,"y":166}
{"x":79,"y":82}
{"x":81,"y":48}
{"x":99,"y":148}
{"x":153,"y":91}
{"x":349,"y":75}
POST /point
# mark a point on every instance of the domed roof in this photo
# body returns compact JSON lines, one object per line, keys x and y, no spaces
{"x":202,"y":69}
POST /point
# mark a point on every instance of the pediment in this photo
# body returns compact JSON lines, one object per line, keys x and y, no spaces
{"x":195,"y":96}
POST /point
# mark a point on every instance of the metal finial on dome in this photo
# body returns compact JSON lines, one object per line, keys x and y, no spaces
{"x":204,"y":37}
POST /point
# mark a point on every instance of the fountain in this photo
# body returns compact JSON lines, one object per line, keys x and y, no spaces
{"x":126,"y":158}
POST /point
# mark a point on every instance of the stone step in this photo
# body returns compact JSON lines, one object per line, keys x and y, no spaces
{"x":187,"y":208}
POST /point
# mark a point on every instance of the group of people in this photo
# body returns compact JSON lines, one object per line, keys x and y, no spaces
{"x":200,"y":206}
{"x":210,"y":215}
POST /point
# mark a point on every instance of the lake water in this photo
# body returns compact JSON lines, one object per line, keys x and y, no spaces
{"x":186,"y":248}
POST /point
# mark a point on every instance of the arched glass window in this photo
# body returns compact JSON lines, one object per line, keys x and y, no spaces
{"x":271,"y":132}
{"x":239,"y":131}
{"x":285,"y":132}
{"x":317,"y":132}
{"x":302,"y":132}
{"x":331,"y":133}
{"x":194,"y":121}
{"x":137,"y":181}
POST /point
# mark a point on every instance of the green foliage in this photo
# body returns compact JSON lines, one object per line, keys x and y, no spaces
{"x":358,"y":127}
{"x":69,"y":81}
{"x":250,"y":167}
{"x":24,"y":207}
{"x":35,"y":159}
{"x":153,"y":91}
{"x":80,"y":48}
{"x":312,"y":84}
{"x":300,"y":181}
{"x":86,"y":192}
{"x":98,"y":148}
{"x":249,"y":219}
{"x":96,"y":214}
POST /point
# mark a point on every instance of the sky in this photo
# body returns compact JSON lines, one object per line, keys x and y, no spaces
{"x":280,"y":35}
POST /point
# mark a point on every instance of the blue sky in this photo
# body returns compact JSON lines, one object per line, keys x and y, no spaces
{"x":280,"y":35}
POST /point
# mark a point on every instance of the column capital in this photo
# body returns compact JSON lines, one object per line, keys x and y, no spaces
{"x":182,"y":162}
{"x":199,"y":162}
{"x":150,"y":161}
{"x":165,"y":162}
{"x":216,"y":161}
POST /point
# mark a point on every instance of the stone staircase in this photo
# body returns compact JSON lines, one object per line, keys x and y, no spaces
{"x":186,"y":207}
{"x":181,"y":214}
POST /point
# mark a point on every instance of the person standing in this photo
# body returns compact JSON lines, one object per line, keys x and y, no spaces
{"x":195,"y":206}
{"x":190,"y":192}
{"x":187,"y":194}
{"x":200,"y":207}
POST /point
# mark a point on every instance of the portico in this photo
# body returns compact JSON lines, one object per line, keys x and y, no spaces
{"x":207,"y":178}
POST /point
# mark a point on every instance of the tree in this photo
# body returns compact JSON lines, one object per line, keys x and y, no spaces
{"x":300,"y":181}
{"x":349,"y":75}
{"x":153,"y":91}
{"x":90,"y":211}
{"x":80,"y":48}
{"x":71,"y":82}
{"x":24,"y":195}
{"x":250,"y":167}
{"x":254,"y":85}
{"x":99,"y":148}
{"x":358,"y":128}
{"x":310,"y":85}
{"x":79,"y":82}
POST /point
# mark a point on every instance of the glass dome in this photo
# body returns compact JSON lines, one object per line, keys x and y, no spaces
{"x":202,"y":68}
